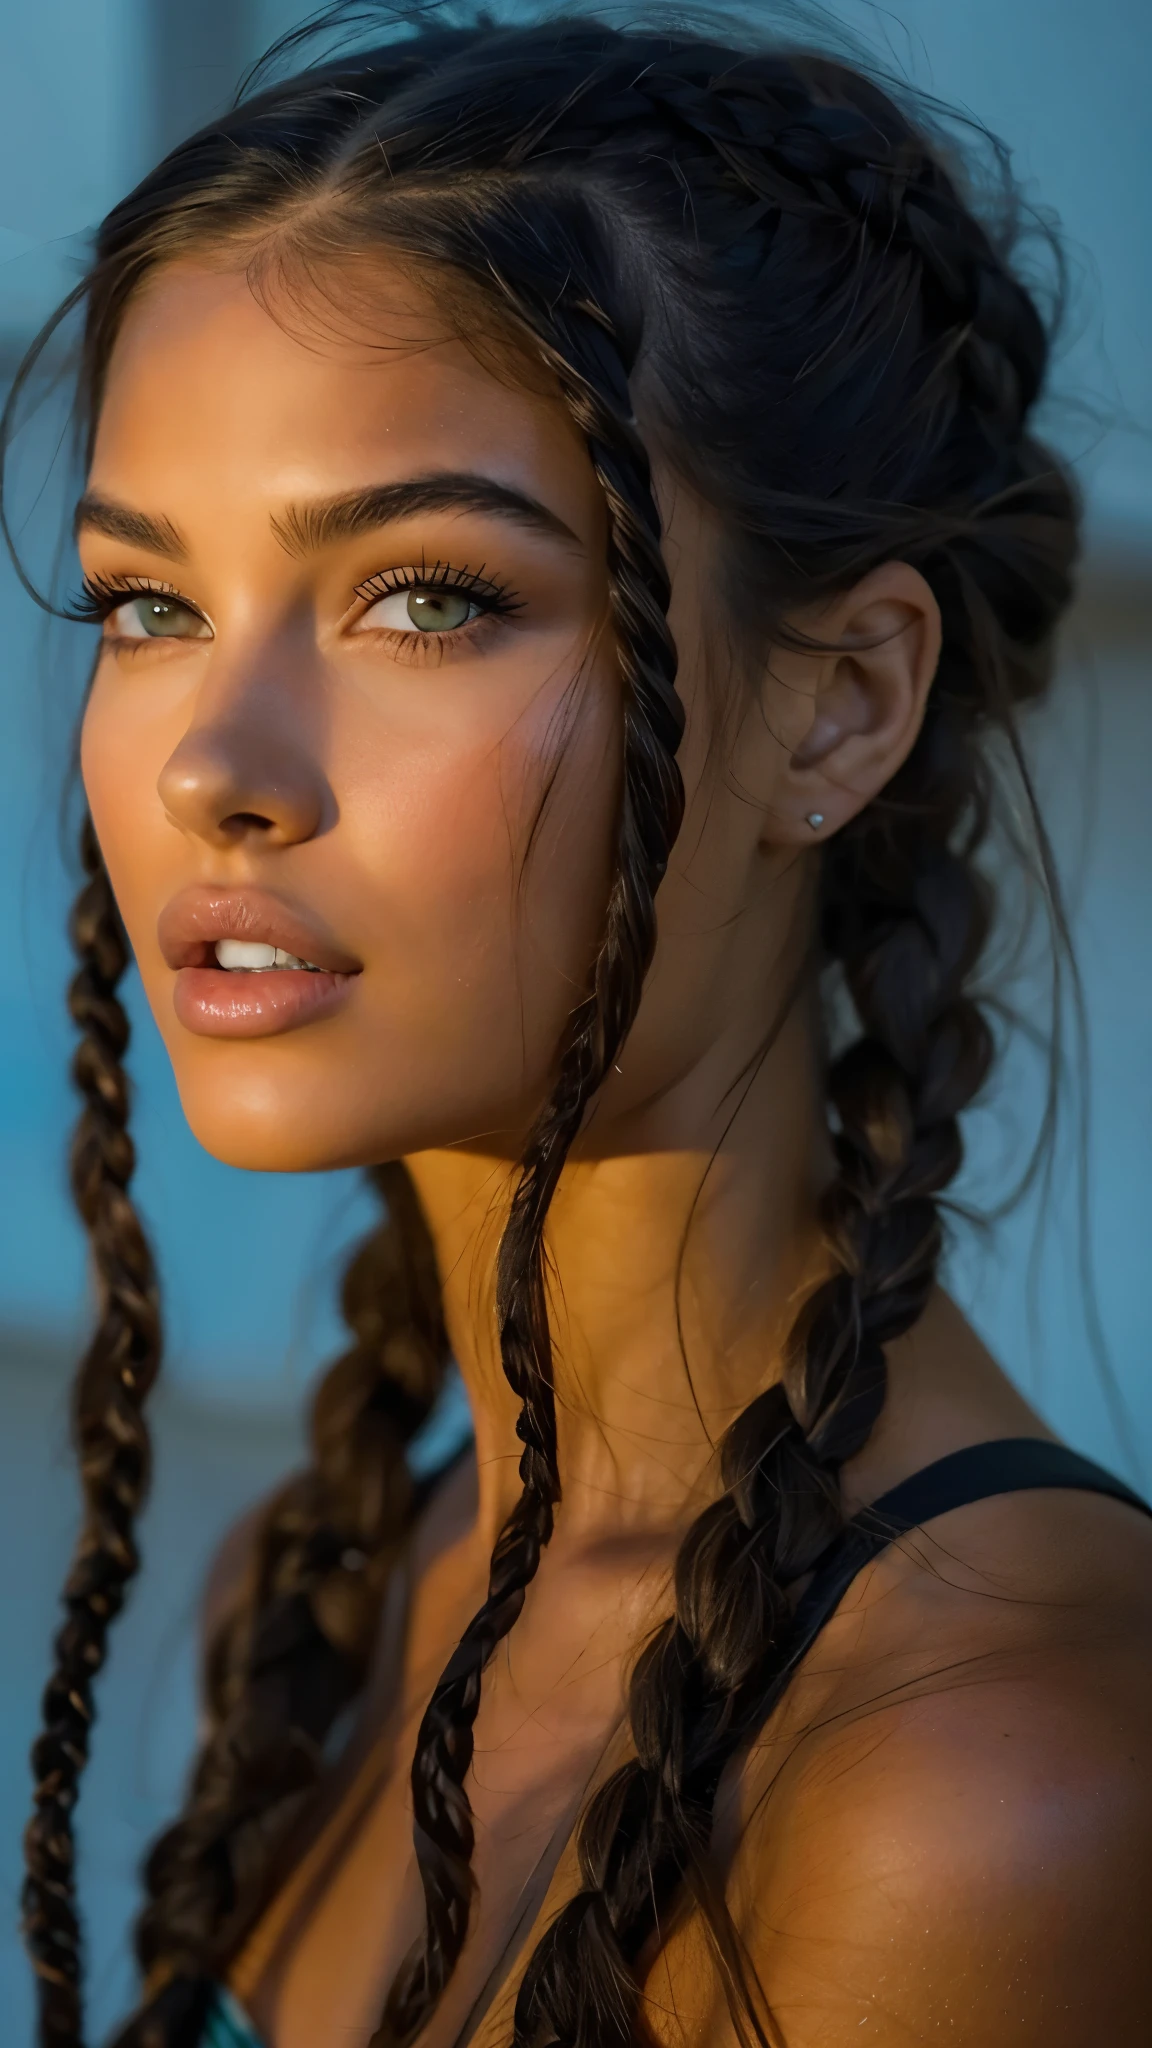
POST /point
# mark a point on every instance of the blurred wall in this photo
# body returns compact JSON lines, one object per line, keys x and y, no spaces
{"x":90,"y":90}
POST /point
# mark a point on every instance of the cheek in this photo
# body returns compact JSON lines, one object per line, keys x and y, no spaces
{"x":482,"y":869}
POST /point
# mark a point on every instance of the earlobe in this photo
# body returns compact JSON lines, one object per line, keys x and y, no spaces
{"x":883,"y":641}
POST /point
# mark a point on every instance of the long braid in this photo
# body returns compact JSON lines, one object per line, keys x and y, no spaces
{"x":294,"y":1649}
{"x":574,"y":341}
{"x":905,"y":918}
{"x":115,"y":1378}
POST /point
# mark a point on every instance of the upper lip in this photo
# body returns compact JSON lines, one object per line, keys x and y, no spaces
{"x":192,"y":922}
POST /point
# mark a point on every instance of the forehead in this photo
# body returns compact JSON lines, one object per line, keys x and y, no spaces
{"x":283,"y":394}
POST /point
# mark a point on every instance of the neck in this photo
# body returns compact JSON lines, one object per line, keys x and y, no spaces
{"x":679,"y":1240}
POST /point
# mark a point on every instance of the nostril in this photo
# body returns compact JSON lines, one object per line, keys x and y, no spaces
{"x":239,"y":822}
{"x":231,"y":782}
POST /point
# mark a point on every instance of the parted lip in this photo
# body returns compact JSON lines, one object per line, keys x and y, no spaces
{"x":191,"y":923}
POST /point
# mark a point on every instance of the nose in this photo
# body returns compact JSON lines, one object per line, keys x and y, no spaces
{"x":241,"y":772}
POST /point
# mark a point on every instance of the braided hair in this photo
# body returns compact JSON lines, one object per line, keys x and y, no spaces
{"x":762,"y":253}
{"x":115,"y":1377}
{"x":293,"y":1649}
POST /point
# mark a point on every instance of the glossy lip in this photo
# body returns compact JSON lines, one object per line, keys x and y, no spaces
{"x":217,"y":1003}
{"x":190,"y":925}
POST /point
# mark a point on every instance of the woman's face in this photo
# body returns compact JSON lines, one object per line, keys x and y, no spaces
{"x":357,"y":708}
{"x":358,"y":625}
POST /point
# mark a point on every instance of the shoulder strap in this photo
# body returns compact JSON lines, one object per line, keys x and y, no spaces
{"x":1016,"y":1464}
{"x":1011,"y":1464}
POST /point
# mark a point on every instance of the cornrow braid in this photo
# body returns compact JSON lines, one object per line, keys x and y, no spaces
{"x":294,"y":1649}
{"x":802,"y":140}
{"x":575,"y":341}
{"x":115,"y":1378}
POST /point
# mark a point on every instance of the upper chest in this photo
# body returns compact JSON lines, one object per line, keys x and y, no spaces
{"x":319,"y":1963}
{"x":923,"y":1628}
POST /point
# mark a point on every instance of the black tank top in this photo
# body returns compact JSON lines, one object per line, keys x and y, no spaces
{"x":1010,"y":1464}
{"x":1017,"y":1464}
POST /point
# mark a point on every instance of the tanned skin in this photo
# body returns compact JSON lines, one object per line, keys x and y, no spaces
{"x":945,"y":1833}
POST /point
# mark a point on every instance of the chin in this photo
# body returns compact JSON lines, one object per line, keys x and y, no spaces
{"x":266,"y":1117}
{"x":285,"y":1114}
{"x":259,"y":1144}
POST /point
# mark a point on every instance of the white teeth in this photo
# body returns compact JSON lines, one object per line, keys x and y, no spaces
{"x":240,"y":953}
{"x":246,"y":956}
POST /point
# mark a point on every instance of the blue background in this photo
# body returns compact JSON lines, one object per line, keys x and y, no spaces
{"x":90,"y":91}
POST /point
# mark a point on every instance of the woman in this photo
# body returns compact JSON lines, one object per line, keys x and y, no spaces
{"x":565,"y":526}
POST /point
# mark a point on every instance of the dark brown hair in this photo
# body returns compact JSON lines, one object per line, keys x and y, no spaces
{"x":837,"y":355}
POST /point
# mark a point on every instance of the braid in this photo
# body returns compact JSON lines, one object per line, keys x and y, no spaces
{"x":115,"y":1378}
{"x":824,"y":142}
{"x":577,"y":346}
{"x":294,"y":1650}
{"x":905,"y":919}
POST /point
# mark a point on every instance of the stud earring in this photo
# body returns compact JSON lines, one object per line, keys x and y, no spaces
{"x":815,"y":819}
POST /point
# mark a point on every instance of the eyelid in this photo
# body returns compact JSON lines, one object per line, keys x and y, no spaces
{"x":103,"y":595}
{"x":494,"y":597}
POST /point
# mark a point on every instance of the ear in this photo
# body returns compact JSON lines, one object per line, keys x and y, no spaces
{"x":853,"y":713}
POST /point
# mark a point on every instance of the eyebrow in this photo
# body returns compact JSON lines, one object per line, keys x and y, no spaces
{"x":305,"y":528}
{"x":95,"y":514}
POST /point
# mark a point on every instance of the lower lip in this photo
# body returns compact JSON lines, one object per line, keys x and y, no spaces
{"x":218,"y":1003}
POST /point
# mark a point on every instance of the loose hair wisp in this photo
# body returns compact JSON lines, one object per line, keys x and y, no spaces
{"x":758,"y":252}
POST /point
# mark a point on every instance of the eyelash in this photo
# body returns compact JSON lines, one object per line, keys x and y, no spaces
{"x":101,"y":596}
{"x":492,"y":597}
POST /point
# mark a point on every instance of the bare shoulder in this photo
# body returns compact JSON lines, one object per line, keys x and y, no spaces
{"x":950,"y":1827}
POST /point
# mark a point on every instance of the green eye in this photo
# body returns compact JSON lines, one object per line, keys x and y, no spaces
{"x":439,"y":611}
{"x":432,"y":608}
{"x":152,"y":616}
